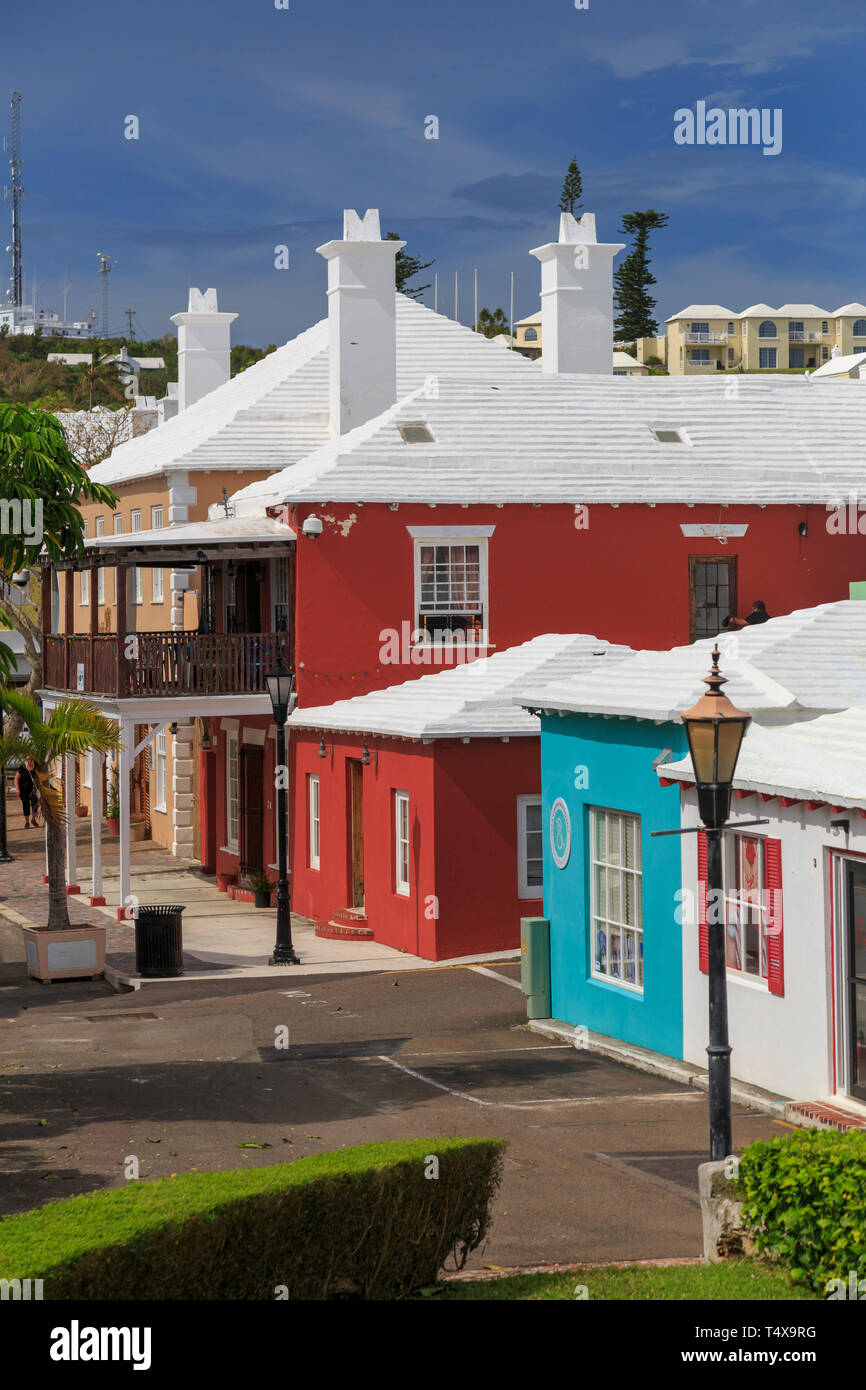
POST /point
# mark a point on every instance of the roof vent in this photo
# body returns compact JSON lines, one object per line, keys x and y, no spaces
{"x":415,"y":434}
{"x":666,"y":436}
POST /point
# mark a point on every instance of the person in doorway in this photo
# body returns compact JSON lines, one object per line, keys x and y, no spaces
{"x":25,"y":785}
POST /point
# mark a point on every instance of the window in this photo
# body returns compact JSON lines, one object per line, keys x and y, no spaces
{"x":158,"y":591}
{"x":160,"y":770}
{"x":617,"y":916}
{"x":529,"y":847}
{"x":860,"y":328}
{"x":232,"y":784}
{"x":415,"y":434}
{"x":767,"y":358}
{"x":401,"y":843}
{"x":745,"y":905}
{"x":730,"y":328}
{"x":766,"y":329}
{"x":796,"y":328}
{"x":700,"y":330}
{"x":280,"y":576}
{"x":136,"y":572}
{"x":530,"y":335}
{"x":100,"y":574}
{"x":314,"y":823}
{"x":118,"y":524}
{"x":231,"y":598}
{"x":712,"y":594}
{"x":85,"y":577}
{"x":825,"y":354}
{"x":825,"y":326}
{"x":700,"y":356}
{"x":450,"y":590}
{"x":796,"y":357}
{"x":730,"y":354}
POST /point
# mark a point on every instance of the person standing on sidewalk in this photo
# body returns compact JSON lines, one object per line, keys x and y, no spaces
{"x":25,"y":784}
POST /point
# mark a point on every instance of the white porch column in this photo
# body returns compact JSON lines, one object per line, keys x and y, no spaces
{"x":96,"y":764}
{"x":125,"y":761}
{"x":71,"y":858}
{"x":182,"y":782}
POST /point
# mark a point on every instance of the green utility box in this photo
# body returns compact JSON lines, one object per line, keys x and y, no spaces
{"x":535,"y":965}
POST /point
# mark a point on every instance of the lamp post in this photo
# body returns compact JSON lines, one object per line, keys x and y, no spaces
{"x":715,"y":728}
{"x":281,"y":688}
{"x":5,"y":856}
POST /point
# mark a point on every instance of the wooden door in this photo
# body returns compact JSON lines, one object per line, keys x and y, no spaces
{"x":252,"y":808}
{"x":356,"y":832}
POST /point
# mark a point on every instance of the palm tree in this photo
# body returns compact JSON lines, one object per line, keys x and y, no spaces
{"x":73,"y":726}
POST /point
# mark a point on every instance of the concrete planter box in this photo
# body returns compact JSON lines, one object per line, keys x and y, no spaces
{"x":76,"y":953}
{"x":722,"y":1214}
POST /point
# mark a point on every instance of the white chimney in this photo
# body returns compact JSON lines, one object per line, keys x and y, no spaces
{"x":362,"y":321}
{"x":577,"y":299}
{"x":203,"y":347}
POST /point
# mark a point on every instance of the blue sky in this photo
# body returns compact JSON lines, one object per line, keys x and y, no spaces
{"x":258,"y":125}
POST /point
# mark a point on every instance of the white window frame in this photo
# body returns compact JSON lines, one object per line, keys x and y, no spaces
{"x":158,"y":581}
{"x":233,"y":791}
{"x":280,"y":590}
{"x":160,"y":762}
{"x":596,"y":916}
{"x":525,"y":889}
{"x":135,"y":525}
{"x":118,"y":524}
{"x":100,"y":573}
{"x":85,"y":574}
{"x":314,"y":819}
{"x":402,"y":845}
{"x":739,"y":901}
{"x":424,"y":536}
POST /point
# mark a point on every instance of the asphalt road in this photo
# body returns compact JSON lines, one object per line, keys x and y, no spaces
{"x":601,"y":1162}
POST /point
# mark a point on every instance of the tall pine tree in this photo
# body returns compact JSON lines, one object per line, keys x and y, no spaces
{"x":406,"y":267}
{"x":632,"y":279}
{"x":572,"y":190}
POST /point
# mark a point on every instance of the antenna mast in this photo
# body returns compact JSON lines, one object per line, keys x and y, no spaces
{"x":15,"y":192}
{"x":130,"y":315}
{"x":105,"y":271}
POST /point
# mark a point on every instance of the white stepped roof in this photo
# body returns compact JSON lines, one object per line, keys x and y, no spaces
{"x":803,"y":311}
{"x":276,"y":412}
{"x":821,"y":759}
{"x":840,"y":366}
{"x":474,"y":700}
{"x":758,"y":311}
{"x":848,"y":310}
{"x":812,"y":659}
{"x":702,"y":311}
{"x":585,"y":439}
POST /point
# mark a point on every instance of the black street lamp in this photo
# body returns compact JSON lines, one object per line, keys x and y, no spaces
{"x":281,"y":688}
{"x":715,"y":730}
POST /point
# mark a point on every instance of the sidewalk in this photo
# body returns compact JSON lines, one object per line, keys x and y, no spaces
{"x":220,"y":936}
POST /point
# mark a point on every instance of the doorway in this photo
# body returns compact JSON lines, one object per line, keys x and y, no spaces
{"x":251,"y":846}
{"x":855,"y":874}
{"x":356,"y":831}
{"x":712,"y":594}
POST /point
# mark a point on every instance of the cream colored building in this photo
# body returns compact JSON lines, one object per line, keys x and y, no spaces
{"x":708,"y":338}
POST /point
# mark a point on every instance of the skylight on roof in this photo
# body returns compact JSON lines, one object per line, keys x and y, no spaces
{"x":667,"y":436}
{"x":415,"y":434}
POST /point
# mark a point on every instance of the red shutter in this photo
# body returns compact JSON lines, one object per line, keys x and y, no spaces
{"x":703,"y":931}
{"x":775,"y":934}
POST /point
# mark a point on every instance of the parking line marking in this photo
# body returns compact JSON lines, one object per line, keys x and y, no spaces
{"x":532,"y":1104}
{"x":495,"y":975}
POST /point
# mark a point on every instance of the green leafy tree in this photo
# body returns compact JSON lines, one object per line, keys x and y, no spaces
{"x":73,"y":726}
{"x":572,"y":190}
{"x":492,"y":324}
{"x":406,"y":268}
{"x":632,"y":280}
{"x":37,"y":465}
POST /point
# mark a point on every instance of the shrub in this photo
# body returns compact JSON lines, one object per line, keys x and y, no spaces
{"x":805,"y":1199}
{"x":364,"y":1222}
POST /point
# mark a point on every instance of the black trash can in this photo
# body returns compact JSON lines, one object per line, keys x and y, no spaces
{"x":159,"y":941}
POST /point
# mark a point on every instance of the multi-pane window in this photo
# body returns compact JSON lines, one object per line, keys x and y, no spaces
{"x":713,"y":594}
{"x":529,"y":847}
{"x":118,"y":524}
{"x":796,"y":357}
{"x":860,"y":328}
{"x":767,"y":329}
{"x":85,"y":578}
{"x":701,"y":331}
{"x":100,"y":573}
{"x":281,"y":594}
{"x":617,"y":916}
{"x":450,"y":587}
{"x":136,"y":573}
{"x":700,"y":356}
{"x":232,"y":789}
{"x":746,"y":905}
{"x":767,"y":358}
{"x":401,"y":843}
{"x":160,"y":770}
{"x":231,"y":598}
{"x":156,"y":524}
{"x":314,"y":822}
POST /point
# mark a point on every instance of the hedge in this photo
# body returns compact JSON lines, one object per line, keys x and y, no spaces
{"x":364,"y":1222}
{"x":804,"y":1197}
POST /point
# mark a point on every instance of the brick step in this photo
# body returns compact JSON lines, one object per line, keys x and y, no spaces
{"x":344,"y":931}
{"x":825,"y":1116}
{"x":245,"y":895}
{"x":350,"y":915}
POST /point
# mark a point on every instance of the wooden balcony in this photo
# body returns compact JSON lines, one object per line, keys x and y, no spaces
{"x":163,"y":663}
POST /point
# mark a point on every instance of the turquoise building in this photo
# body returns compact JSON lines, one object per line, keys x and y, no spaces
{"x":611,"y":892}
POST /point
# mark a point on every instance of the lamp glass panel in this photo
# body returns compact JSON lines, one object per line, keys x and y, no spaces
{"x":730,"y":737}
{"x":701,"y":736}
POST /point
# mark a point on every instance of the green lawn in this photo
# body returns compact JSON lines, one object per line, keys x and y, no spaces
{"x":733,"y":1280}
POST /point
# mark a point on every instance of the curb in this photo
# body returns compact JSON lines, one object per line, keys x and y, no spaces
{"x":470,"y":1276}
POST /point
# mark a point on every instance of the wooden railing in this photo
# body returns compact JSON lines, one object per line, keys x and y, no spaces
{"x":164,"y":663}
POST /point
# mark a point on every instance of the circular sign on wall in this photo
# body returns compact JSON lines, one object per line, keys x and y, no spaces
{"x":560,"y":833}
